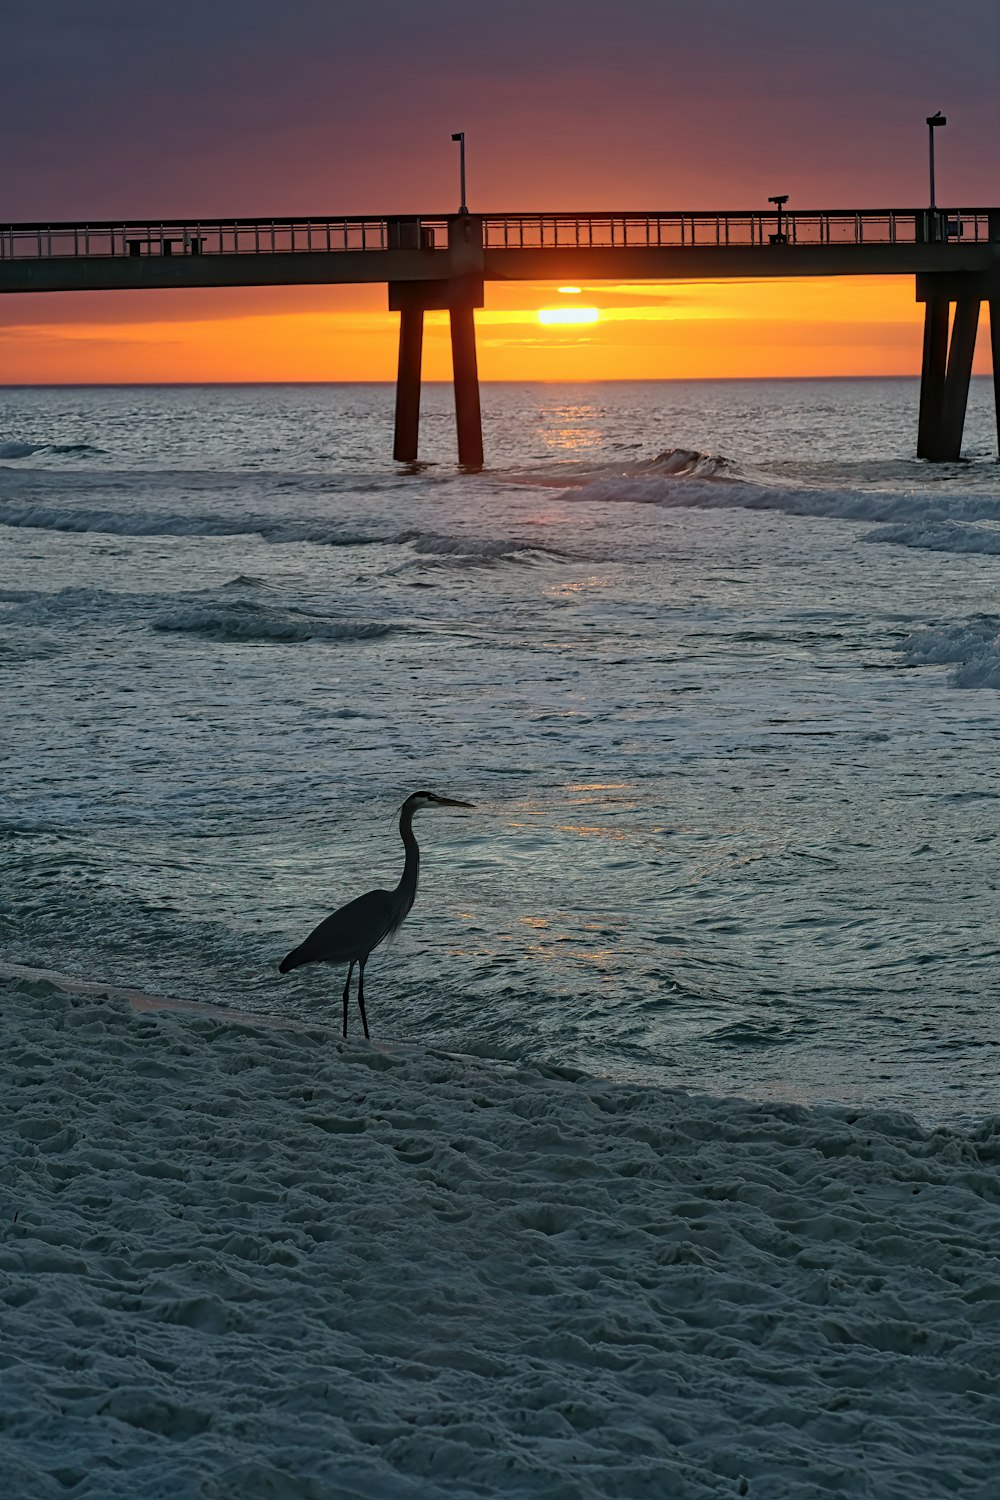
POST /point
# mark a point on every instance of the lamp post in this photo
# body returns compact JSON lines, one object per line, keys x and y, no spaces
{"x":460,"y":138}
{"x":933,"y":121}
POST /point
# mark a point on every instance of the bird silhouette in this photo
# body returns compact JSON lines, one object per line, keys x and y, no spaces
{"x":351,"y":933}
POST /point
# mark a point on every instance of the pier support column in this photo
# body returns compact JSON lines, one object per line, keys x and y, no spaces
{"x":956,"y":384}
{"x":411,"y":344}
{"x":457,"y":295}
{"x":932,"y":377}
{"x":947,"y":371}
{"x":465,"y":371}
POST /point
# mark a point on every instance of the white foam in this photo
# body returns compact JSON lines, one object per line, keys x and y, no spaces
{"x":464,"y":549}
{"x":715,"y":485}
{"x":318,"y":532}
{"x":245,"y":1261}
{"x":942,"y":536}
{"x":242,"y":620}
{"x":973,"y":646}
{"x":688,"y":463}
{"x":940,"y":520}
{"x":161,"y":523}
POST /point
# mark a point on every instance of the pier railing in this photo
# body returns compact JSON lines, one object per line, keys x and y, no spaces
{"x":204,"y":237}
{"x":533,"y":231}
{"x":685,"y":230}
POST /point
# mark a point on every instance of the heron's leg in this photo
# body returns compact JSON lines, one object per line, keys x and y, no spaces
{"x":347,"y":992}
{"x":361,"y":995}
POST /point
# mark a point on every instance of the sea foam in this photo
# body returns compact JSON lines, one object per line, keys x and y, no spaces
{"x":972,"y":647}
{"x":942,"y":536}
{"x":682,"y":477}
{"x":246,"y":621}
{"x":317,"y":531}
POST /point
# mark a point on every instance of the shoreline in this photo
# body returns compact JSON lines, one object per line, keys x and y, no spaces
{"x":142,"y":1002}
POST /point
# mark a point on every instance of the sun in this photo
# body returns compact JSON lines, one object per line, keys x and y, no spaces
{"x":550,"y":315}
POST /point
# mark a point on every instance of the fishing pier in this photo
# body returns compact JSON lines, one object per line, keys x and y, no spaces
{"x":443,"y":262}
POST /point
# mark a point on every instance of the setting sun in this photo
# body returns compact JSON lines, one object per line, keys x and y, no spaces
{"x":567,"y":315}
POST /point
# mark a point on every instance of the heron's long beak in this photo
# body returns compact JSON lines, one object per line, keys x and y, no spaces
{"x":453,"y":802}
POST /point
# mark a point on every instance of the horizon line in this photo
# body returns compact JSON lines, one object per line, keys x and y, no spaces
{"x":55,"y":385}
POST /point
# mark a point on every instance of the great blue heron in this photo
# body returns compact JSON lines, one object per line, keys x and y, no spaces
{"x":350,"y":934}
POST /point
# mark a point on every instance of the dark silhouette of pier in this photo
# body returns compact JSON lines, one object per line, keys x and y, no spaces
{"x":444,"y":261}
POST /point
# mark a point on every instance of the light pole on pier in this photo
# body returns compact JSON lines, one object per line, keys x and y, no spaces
{"x":933,"y":121}
{"x":460,"y":138}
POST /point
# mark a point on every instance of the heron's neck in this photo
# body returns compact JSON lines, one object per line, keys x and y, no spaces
{"x":407,"y":887}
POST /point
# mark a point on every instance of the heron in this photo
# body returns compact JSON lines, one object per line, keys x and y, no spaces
{"x":351,"y":933}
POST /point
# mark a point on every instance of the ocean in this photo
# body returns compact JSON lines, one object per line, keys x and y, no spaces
{"x":672,"y":1169}
{"x":718,"y":663}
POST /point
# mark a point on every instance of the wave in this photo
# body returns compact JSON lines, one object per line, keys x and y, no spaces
{"x":689,"y":463}
{"x":942,"y":536}
{"x":313,"y":531}
{"x":687,"y":478}
{"x":246,"y":581}
{"x":33,"y":608}
{"x":231,"y":619}
{"x":672,"y":463}
{"x":242,"y":621}
{"x":973,"y":648}
{"x":876,"y":506}
{"x":476,"y":549}
{"x":14,"y":450}
{"x":166,"y":523}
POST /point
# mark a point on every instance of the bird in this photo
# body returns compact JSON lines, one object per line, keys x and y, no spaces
{"x":351,"y":933}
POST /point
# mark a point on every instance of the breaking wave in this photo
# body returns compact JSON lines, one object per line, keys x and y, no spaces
{"x":942,"y":536}
{"x":227,"y":620}
{"x":242,"y":621}
{"x":12,"y":451}
{"x":315,"y":531}
{"x":466,"y":550}
{"x":972,"y":649}
{"x":152,"y":523}
{"x":686,"y":478}
{"x":688,"y":463}
{"x":877,"y":506}
{"x":28,"y":607}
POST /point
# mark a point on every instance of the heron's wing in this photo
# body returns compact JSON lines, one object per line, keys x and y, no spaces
{"x":352,"y":931}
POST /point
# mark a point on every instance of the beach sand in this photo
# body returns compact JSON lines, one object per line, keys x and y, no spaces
{"x":242,"y":1260}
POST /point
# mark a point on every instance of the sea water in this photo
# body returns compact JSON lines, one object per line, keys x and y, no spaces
{"x":717,"y":662}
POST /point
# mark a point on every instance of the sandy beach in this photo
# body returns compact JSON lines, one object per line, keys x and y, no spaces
{"x":241,"y":1260}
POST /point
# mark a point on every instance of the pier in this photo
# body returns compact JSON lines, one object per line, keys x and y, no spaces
{"x":443,"y":262}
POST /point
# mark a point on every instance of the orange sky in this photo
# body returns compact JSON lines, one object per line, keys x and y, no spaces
{"x":251,"y":109}
{"x":842,"y":326}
